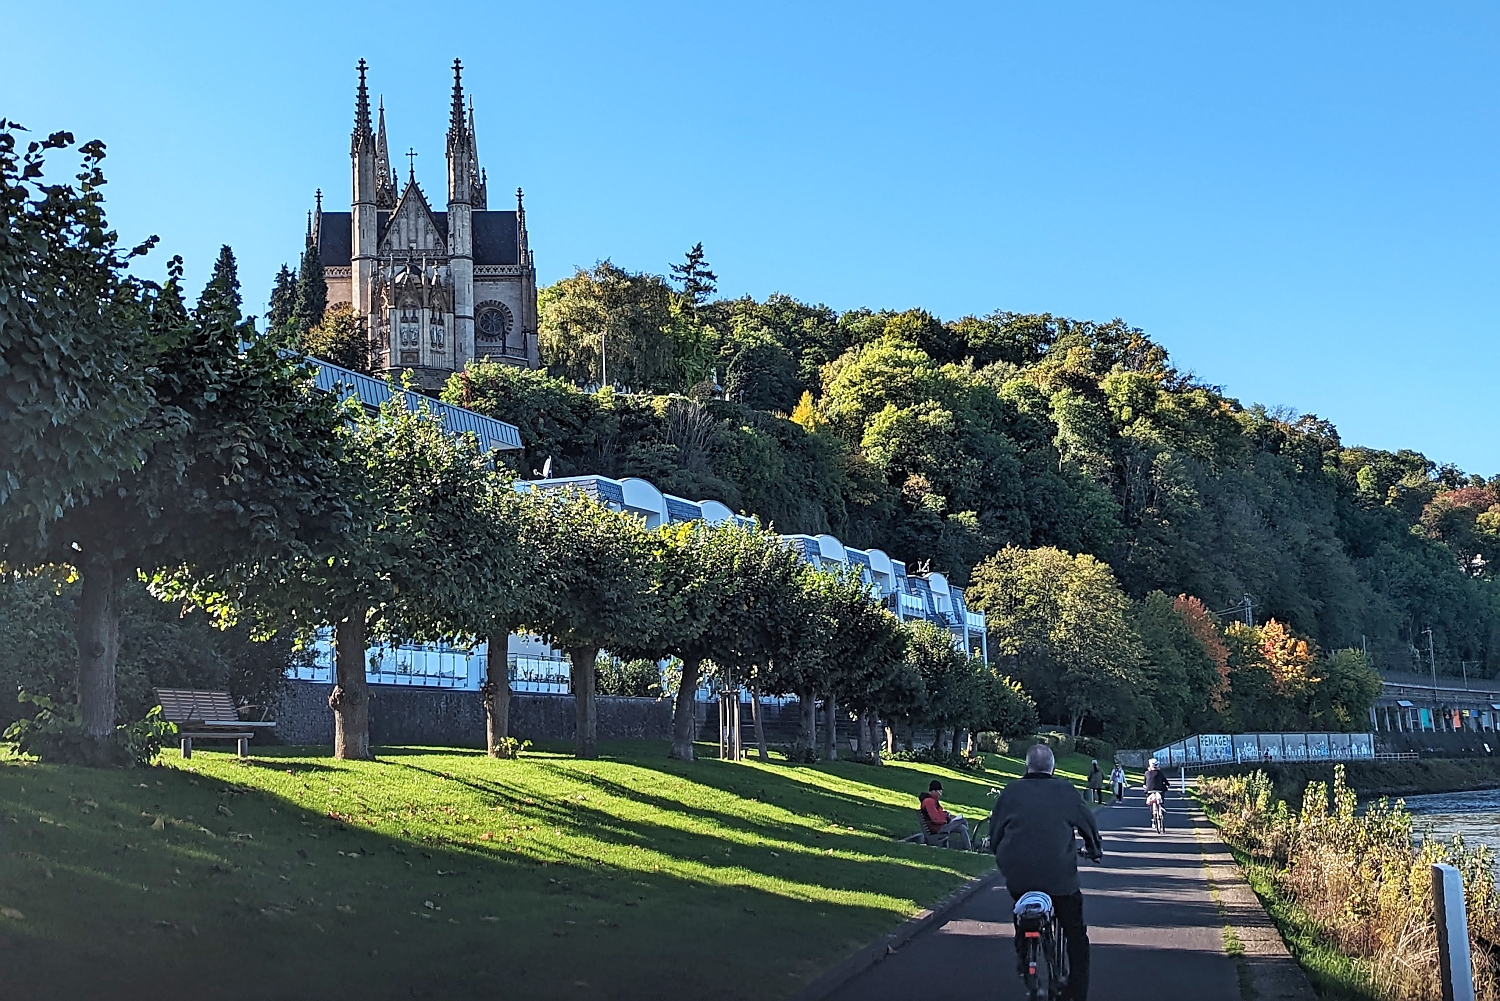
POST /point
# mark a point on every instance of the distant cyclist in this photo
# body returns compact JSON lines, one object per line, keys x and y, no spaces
{"x":1032,"y":834}
{"x":1156,"y":785}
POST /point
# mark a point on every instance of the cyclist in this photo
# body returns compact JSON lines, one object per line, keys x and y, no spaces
{"x":1032,"y":832}
{"x":1156,"y":785}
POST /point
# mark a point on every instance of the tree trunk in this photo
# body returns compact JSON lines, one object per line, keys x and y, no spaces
{"x":911,"y":734}
{"x":685,"y":712}
{"x":587,"y":736}
{"x":831,"y":737}
{"x":807,"y":735}
{"x":957,"y":739}
{"x":98,"y":637}
{"x":757,"y":718}
{"x":497,"y":695}
{"x":350,"y":699}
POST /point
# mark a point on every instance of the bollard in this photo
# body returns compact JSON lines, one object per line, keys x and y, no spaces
{"x":1453,"y":933}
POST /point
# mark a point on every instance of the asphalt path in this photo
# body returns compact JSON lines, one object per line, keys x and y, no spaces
{"x":1155,"y":930}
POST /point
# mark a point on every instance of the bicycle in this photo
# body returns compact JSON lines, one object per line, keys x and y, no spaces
{"x":1158,"y":812}
{"x":1046,"y":947}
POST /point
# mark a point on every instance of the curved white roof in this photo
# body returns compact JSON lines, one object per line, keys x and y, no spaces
{"x":715,"y":511}
{"x":643,"y":497}
{"x":832,"y":549}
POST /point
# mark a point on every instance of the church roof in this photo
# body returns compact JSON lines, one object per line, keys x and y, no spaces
{"x":494,"y":237}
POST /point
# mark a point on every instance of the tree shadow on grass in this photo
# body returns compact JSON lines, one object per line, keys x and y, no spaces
{"x":298,"y":904}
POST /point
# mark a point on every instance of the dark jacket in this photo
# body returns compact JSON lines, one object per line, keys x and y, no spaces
{"x":1156,"y":781}
{"x":1032,"y":834}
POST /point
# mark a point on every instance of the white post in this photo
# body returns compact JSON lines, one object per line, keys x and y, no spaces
{"x":1453,"y":933}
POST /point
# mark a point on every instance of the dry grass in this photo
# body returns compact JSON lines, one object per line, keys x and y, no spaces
{"x":1361,"y":879}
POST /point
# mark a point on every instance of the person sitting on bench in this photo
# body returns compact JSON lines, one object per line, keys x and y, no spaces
{"x":939,"y":822}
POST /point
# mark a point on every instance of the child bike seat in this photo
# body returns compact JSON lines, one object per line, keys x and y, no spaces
{"x":1033,"y":905}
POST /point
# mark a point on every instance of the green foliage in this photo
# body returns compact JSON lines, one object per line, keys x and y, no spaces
{"x":283,"y":301}
{"x":1064,"y":623}
{"x":162,"y":645}
{"x":639,"y":678}
{"x":931,"y":754}
{"x":312,"y":291}
{"x":631,"y":313}
{"x":339,"y":338}
{"x":222,"y":293}
{"x":57,"y":734}
{"x":694,"y":276}
{"x":74,"y":338}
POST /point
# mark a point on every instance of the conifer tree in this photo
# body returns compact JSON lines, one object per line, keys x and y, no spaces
{"x":283,"y":299}
{"x":222,"y":293}
{"x":693,"y":274}
{"x":312,"y":291}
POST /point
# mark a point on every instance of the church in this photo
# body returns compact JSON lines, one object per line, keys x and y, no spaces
{"x":434,"y":289}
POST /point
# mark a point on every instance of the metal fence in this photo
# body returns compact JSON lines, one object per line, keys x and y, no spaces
{"x":1206,"y":750}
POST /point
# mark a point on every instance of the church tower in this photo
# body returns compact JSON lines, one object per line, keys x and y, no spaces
{"x":434,"y":289}
{"x":363,"y":224}
{"x":463,"y":163}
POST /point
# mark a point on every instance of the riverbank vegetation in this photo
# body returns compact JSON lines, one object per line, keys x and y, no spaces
{"x":1354,"y":881}
{"x":1374,"y":779}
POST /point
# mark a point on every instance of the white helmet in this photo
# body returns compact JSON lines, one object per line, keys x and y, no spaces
{"x":1151,"y":763}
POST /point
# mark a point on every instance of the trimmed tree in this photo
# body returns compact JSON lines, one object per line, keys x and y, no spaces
{"x":719,"y":590}
{"x":74,"y":341}
{"x":598,"y":573}
{"x":423,"y":556}
{"x":238,"y":466}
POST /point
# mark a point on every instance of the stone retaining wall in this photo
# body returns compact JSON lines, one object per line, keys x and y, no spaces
{"x":400,"y":714}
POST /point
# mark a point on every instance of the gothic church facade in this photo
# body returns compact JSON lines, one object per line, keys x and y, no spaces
{"x":434,"y":289}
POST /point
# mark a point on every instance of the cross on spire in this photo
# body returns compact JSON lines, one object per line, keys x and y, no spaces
{"x":411,"y":160}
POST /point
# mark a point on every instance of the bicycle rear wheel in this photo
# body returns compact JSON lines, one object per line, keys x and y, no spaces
{"x":1057,"y":961}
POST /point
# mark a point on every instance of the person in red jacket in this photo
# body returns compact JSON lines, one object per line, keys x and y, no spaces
{"x":936,"y":820}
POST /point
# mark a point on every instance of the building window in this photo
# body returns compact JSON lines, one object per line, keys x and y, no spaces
{"x":493,"y":323}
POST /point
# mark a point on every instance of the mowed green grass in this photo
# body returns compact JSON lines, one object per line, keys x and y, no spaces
{"x":440,"y":873}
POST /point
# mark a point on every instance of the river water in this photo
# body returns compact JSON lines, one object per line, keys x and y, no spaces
{"x":1475,"y":815}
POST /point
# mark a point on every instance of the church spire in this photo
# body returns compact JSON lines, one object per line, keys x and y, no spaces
{"x":476,"y":176}
{"x":362,"y":136}
{"x":456,"y":131}
{"x":521,"y":239}
{"x":385,"y":174}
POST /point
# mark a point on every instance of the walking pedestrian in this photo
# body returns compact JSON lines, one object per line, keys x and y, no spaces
{"x":1096,"y":781}
{"x":1117,"y":779}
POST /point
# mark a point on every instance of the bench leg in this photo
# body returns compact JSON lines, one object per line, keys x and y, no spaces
{"x":187,"y":747}
{"x":244,"y":747}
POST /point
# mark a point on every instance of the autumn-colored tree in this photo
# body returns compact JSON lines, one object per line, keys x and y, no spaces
{"x":1200,"y":623}
{"x":1291,"y":659}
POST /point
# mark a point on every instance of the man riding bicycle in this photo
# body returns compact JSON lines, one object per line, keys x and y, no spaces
{"x":1156,"y":785}
{"x":1032,"y":833}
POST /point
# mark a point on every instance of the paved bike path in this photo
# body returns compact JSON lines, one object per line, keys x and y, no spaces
{"x":1156,"y":932}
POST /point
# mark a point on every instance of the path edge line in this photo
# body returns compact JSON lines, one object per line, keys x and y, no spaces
{"x":878,"y":950}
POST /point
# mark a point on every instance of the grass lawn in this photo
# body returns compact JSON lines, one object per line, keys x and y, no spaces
{"x":439,"y":873}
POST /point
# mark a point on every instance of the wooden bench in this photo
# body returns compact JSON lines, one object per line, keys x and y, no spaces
{"x":206,"y":716}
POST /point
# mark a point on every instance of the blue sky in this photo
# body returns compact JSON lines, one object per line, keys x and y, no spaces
{"x":1298,"y":200}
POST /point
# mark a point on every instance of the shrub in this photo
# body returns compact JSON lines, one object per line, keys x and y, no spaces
{"x":1361,"y":877}
{"x":963,"y":761}
{"x":55,"y":734}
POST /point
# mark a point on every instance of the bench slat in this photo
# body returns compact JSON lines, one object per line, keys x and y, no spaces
{"x":203,"y":708}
